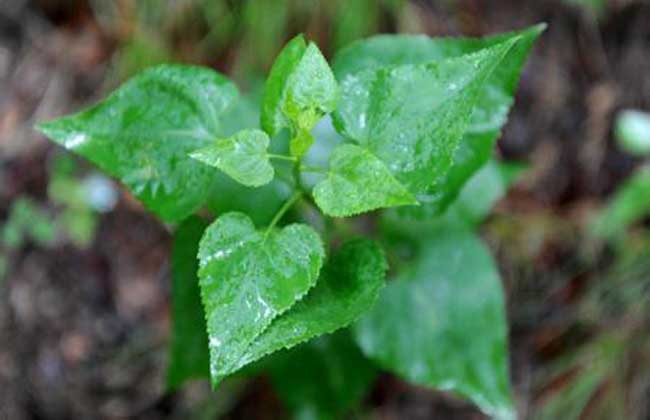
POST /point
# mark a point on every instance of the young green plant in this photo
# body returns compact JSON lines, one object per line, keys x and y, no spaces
{"x":415,"y":120}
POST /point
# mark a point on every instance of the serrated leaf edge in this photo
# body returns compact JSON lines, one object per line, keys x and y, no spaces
{"x":243,"y":362}
{"x":215,"y":380}
{"x":415,"y":202}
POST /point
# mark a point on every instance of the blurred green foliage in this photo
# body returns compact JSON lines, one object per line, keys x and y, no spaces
{"x":595,"y":8}
{"x":243,"y":35}
{"x":4,"y":266}
{"x":630,"y":203}
{"x":77,"y":219}
{"x":27,"y":222}
{"x":606,"y":376}
{"x":588,"y":369}
{"x":76,"y":200}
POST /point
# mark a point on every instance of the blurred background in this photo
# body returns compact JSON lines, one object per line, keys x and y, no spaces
{"x":84,"y":272}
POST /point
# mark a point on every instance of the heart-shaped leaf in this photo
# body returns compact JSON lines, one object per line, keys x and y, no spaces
{"x":242,"y":156}
{"x":358,"y":182}
{"x":248,"y":278}
{"x":348,"y":286}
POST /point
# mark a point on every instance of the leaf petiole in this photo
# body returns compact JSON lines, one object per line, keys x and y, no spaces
{"x":287,"y":205}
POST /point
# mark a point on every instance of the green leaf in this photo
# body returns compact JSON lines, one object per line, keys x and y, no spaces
{"x":479,"y":195}
{"x":242,"y":156}
{"x":412,"y":117}
{"x":144,"y":131}
{"x":441,"y":322}
{"x":391,"y":50}
{"x":494,"y":99}
{"x":300,"y":90}
{"x":358,"y":182}
{"x":349,"y":286}
{"x":244,"y":113}
{"x":333,"y":377}
{"x":248,"y":278}
{"x":274,"y":118}
{"x":488,"y":185}
{"x":227,"y":195}
{"x":632,"y":130}
{"x":189,"y":357}
{"x":630,"y":203}
{"x":483,"y":190}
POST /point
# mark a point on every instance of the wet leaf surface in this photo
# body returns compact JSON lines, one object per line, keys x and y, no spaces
{"x":242,"y":156}
{"x":441,"y":322}
{"x":358,"y":182}
{"x":143,"y":133}
{"x":412,"y":117}
{"x":348,"y":287}
{"x":492,"y":105}
{"x":248,"y":278}
{"x":300,"y":90}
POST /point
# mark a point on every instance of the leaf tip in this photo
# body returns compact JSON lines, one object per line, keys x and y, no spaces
{"x":539,"y":28}
{"x":46,"y":128}
{"x":63,"y":131}
{"x":532,"y":32}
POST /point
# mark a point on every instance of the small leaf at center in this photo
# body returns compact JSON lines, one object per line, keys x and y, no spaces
{"x":300,"y":90}
{"x":242,"y":156}
{"x":357,"y":182}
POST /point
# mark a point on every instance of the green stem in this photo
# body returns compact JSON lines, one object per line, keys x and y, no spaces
{"x":298,"y":178}
{"x":287,"y":205}
{"x":282,"y":157}
{"x":314,"y":169}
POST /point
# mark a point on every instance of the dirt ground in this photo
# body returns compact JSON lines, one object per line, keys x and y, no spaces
{"x":83,"y":331}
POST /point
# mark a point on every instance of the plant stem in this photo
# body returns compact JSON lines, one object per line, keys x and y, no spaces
{"x":287,"y":205}
{"x":297,"y":177}
{"x":314,"y":169}
{"x":282,"y":157}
